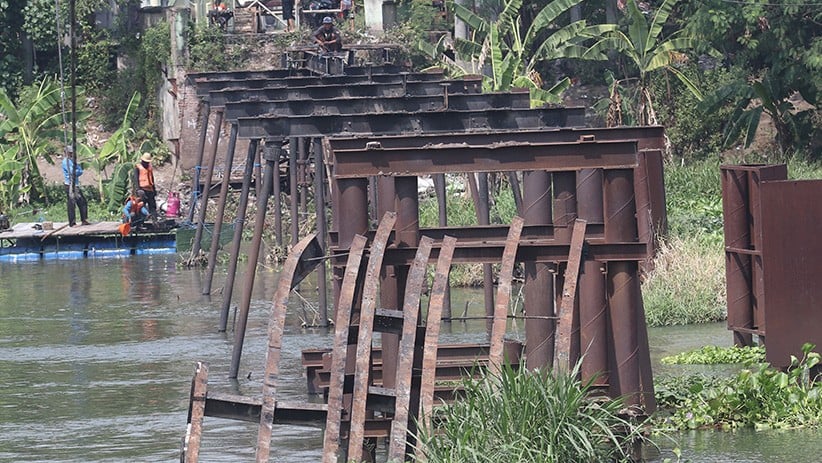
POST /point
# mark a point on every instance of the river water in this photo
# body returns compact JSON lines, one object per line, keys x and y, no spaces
{"x":97,"y":355}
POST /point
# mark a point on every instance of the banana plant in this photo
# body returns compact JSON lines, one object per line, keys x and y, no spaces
{"x":117,"y":149}
{"x":507,"y":54}
{"x":11,"y":171}
{"x":649,"y":51}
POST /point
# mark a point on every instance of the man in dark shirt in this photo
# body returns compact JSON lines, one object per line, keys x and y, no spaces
{"x":327,"y":36}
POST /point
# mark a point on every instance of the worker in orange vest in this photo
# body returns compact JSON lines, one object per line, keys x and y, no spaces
{"x":144,"y":180}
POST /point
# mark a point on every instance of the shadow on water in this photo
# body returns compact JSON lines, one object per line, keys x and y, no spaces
{"x":96,"y":359}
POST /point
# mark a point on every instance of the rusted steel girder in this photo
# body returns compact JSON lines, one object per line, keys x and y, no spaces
{"x":205,"y":113}
{"x":204,"y":87}
{"x":306,"y":106}
{"x":346,"y":90}
{"x":301,"y":259}
{"x":484,"y":158}
{"x":432,"y":121}
{"x":566,"y":316}
{"x":650,"y":137}
{"x":218,"y":219}
{"x":506,"y":275}
{"x":198,"y":234}
{"x":196,"y":412}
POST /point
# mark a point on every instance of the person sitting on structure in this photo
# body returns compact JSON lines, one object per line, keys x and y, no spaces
{"x":327,"y":36}
{"x":135,"y":211}
{"x":220,"y":15}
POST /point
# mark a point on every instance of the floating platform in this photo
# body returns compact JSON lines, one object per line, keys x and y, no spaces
{"x":30,"y":241}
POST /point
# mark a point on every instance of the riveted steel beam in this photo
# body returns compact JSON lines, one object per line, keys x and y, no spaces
{"x":648,"y":137}
{"x":388,"y":123}
{"x":496,"y":157}
{"x":366,"y":105}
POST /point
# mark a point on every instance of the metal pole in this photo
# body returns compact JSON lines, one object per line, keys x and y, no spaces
{"x":278,"y":212}
{"x":228,"y":288}
{"x":539,"y":279}
{"x":292,"y":183}
{"x":253,"y":256}
{"x":205,"y":112}
{"x":442,"y":203}
{"x":218,"y":221}
{"x":487,"y":270}
{"x":319,"y":198}
{"x":198,"y":235}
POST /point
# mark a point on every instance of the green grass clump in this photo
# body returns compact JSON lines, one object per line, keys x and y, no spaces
{"x":715,"y":355}
{"x":687,"y":284}
{"x":523,"y":416}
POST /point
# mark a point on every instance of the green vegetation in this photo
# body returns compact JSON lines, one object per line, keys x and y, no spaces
{"x":538,"y":416}
{"x":759,"y":397}
{"x":714,"y":355}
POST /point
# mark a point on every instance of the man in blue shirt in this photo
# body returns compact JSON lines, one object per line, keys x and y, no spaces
{"x":76,"y":196}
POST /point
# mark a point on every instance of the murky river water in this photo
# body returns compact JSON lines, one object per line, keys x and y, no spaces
{"x":96,"y":359}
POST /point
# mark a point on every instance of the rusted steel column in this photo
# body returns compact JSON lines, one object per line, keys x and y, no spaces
{"x":390,"y":291}
{"x":322,"y":230}
{"x":302,"y":163}
{"x":354,"y":207}
{"x":623,"y":285}
{"x":258,"y":175}
{"x":506,"y":275}
{"x":292,"y":193}
{"x":242,"y":208}
{"x":218,"y":220}
{"x":205,"y":112}
{"x":593,"y":301}
{"x":484,"y":217}
{"x":442,"y":207}
{"x":278,"y":195}
{"x":568,"y":316}
{"x":539,"y":281}
{"x":253,"y":257}
{"x":565,"y":204}
{"x":737,"y":265}
{"x":196,"y":412}
{"x":198,"y":234}
{"x":516,"y":190}
{"x":407,"y":234}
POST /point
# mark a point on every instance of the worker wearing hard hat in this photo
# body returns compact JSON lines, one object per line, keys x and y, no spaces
{"x":327,"y":36}
{"x":144,"y":180}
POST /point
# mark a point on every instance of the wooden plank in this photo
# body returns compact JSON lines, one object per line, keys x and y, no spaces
{"x":194,"y":430}
{"x":411,"y":307}
{"x":366,"y":327}
{"x":506,"y":274}
{"x":432,"y":330}
{"x":562,"y":352}
{"x":331,"y":439}
{"x":276,"y":326}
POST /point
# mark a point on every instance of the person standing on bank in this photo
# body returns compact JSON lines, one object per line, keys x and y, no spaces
{"x":327,"y":36}
{"x":144,"y":180}
{"x":74,"y":195}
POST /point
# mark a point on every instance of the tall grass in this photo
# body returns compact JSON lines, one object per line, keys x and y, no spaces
{"x":522,"y":416}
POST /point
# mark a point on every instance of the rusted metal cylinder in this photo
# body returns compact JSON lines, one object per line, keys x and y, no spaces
{"x":442,"y":203}
{"x":624,"y":294}
{"x":198,"y":234}
{"x":322,"y":230}
{"x":258,"y":179}
{"x":354,"y":202}
{"x":645,"y":226}
{"x":390,"y":294}
{"x":302,"y":162}
{"x":484,"y":217}
{"x":251,"y":271}
{"x":205,"y":113}
{"x":565,"y":204}
{"x":242,"y":207}
{"x":293,"y":201}
{"x":516,"y":190}
{"x":277,"y":195}
{"x":218,"y":220}
{"x":737,"y":265}
{"x":592,"y":295}
{"x":539,"y":279}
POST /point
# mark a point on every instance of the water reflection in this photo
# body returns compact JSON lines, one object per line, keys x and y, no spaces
{"x":96,"y":358}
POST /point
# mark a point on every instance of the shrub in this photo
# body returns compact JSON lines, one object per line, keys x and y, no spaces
{"x":714,"y":355}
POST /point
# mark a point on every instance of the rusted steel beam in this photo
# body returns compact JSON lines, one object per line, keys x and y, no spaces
{"x":737,"y":265}
{"x":330,"y":90}
{"x":366,"y":320}
{"x":431,"y":347}
{"x":198,"y":234}
{"x":218,"y":219}
{"x":196,"y":412}
{"x":484,"y":218}
{"x":306,"y":106}
{"x":505,"y":156}
{"x":205,"y":112}
{"x":319,"y":208}
{"x":506,"y":274}
{"x":281,"y":73}
{"x":243,"y":408}
{"x":204,"y":87}
{"x":402,"y":122}
{"x":302,"y":252}
{"x":648,"y":137}
{"x":492,"y":253}
{"x":331,"y":440}
{"x":562,"y":352}
{"x":402,"y":390}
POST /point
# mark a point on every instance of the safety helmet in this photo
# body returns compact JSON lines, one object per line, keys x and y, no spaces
{"x":327,"y":20}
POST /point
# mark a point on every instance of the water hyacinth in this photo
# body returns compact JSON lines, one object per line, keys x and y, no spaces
{"x":522,"y":416}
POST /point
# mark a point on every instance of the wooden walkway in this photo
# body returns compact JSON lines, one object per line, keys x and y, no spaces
{"x":30,"y":230}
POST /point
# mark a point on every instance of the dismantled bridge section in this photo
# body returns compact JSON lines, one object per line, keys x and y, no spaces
{"x":590,"y":205}
{"x":773,"y":259}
